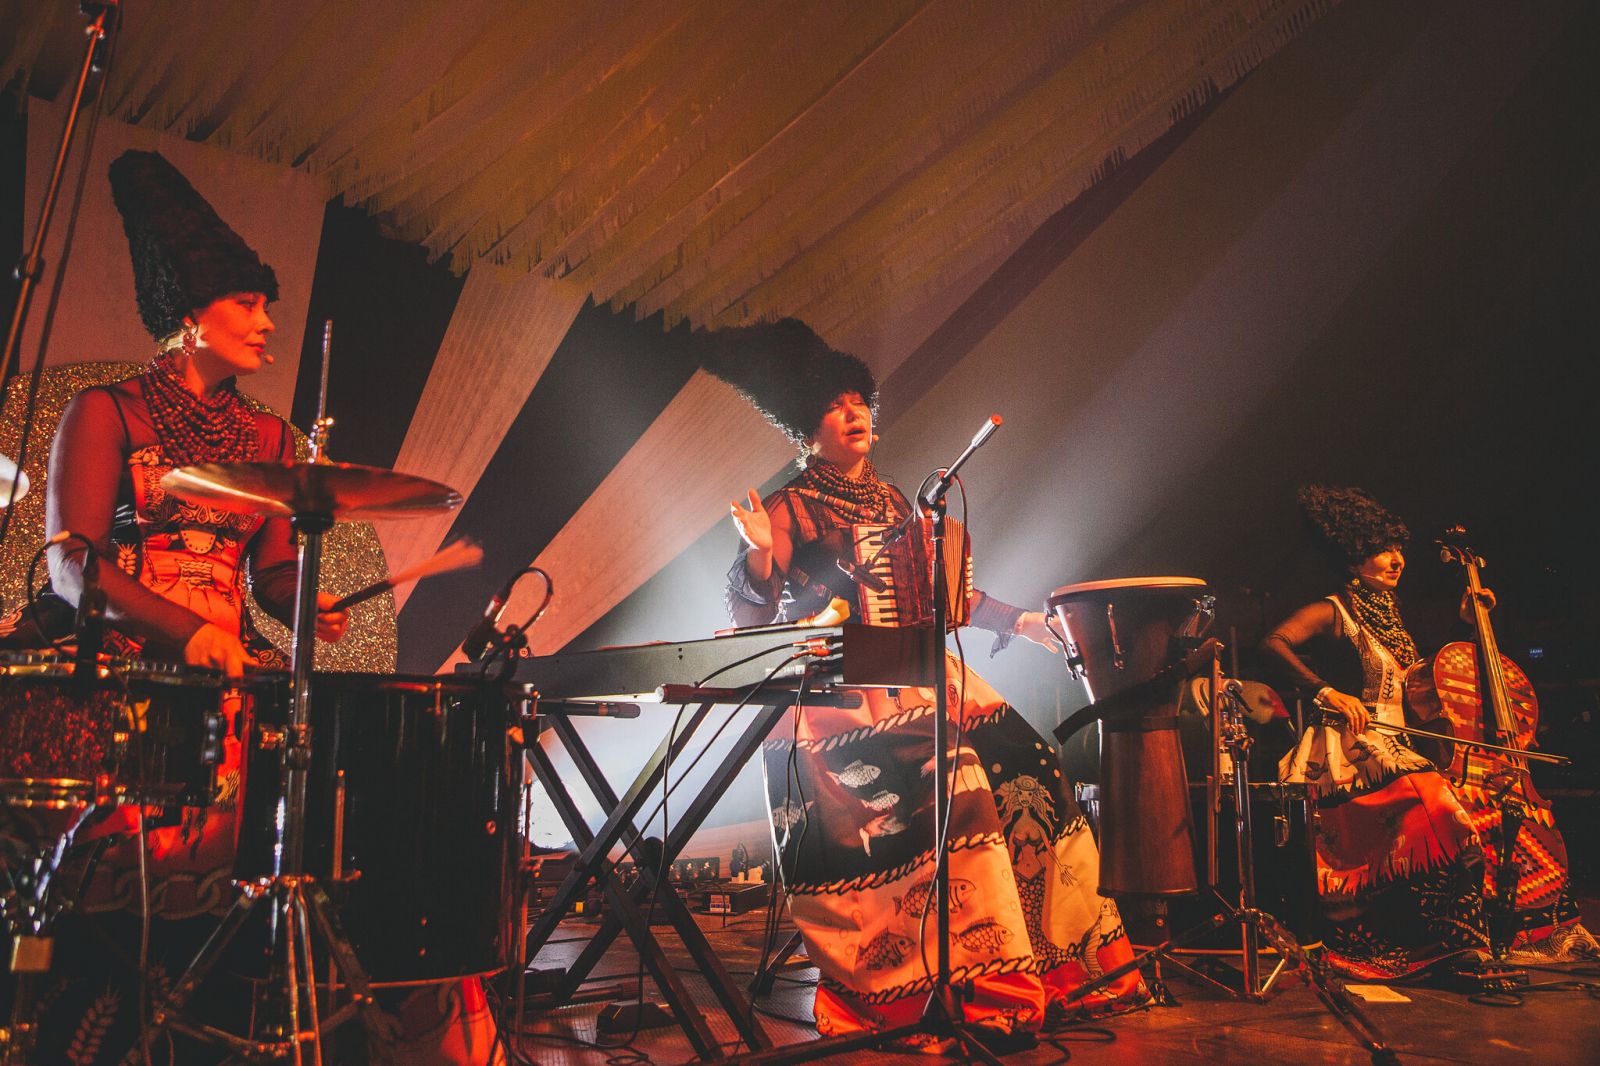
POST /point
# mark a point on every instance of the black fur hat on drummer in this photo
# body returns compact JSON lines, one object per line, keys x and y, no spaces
{"x":787,"y":372}
{"x":184,"y":255}
{"x":1348,"y":525}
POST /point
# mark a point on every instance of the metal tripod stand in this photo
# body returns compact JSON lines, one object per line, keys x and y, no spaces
{"x":296,"y":901}
{"x":310,"y":492}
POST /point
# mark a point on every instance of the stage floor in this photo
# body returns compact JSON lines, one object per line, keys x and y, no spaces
{"x":1555,"y":1023}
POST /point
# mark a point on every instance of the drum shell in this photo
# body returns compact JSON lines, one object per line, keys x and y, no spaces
{"x":64,"y":744}
{"x":1146,"y":834}
{"x":425,"y":821}
{"x":1283,"y":831}
{"x":1124,"y":635}
{"x":1284,"y":858}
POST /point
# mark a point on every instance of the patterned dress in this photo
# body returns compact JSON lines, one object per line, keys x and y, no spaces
{"x":1399,"y":865}
{"x":851,"y":793}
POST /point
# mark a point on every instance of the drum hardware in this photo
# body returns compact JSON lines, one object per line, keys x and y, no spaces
{"x":140,"y":734}
{"x":1118,"y":660}
{"x":336,"y":871}
{"x":28,"y":909}
{"x":144,"y":734}
{"x":312,"y":496}
{"x":407,"y":791}
{"x":1255,"y":925}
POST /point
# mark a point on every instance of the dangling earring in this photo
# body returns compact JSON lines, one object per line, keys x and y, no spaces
{"x":189,"y":342}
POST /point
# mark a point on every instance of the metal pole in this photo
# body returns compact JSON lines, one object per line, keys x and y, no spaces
{"x":297,"y":750}
{"x":1239,"y":743}
{"x":27,"y":271}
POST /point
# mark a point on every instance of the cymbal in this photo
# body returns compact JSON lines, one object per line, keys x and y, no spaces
{"x":9,"y":476}
{"x":345,"y":492}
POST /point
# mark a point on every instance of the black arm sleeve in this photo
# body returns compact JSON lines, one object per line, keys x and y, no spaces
{"x":1279,"y":648}
{"x":87,"y":461}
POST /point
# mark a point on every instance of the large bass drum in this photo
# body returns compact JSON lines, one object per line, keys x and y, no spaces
{"x":410,"y":814}
{"x":1125,"y":632}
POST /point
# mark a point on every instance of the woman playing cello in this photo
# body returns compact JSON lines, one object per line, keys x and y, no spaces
{"x":1400,"y":865}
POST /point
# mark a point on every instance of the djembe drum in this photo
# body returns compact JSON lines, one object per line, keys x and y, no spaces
{"x":1126,"y":632}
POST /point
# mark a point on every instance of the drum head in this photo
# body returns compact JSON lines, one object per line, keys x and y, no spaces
{"x":1127,"y":584}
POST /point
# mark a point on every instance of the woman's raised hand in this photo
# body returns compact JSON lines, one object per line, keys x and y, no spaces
{"x":755,"y":525}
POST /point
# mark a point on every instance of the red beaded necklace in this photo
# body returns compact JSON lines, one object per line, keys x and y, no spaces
{"x":197,"y":429}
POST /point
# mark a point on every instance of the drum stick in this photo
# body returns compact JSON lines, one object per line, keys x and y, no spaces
{"x":458,"y":556}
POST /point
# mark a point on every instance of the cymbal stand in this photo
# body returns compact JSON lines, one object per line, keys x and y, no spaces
{"x":297,"y":901}
{"x":1229,"y":713}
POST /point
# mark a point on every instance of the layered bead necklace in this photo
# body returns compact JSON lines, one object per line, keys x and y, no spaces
{"x":868,"y":498}
{"x":1379,"y":614}
{"x":197,"y":429}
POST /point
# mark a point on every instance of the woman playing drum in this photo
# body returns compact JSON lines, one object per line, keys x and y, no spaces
{"x":174,"y":577}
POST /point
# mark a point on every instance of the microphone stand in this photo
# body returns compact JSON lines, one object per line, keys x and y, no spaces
{"x":31,"y":266}
{"x":941,"y":1015}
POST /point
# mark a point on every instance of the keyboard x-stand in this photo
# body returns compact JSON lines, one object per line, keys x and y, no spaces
{"x":762,"y":671}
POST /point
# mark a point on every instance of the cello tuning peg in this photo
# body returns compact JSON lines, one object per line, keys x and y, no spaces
{"x":1444,"y":555}
{"x":1482,"y":565}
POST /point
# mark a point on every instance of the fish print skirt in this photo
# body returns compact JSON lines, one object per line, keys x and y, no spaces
{"x":851,"y":793}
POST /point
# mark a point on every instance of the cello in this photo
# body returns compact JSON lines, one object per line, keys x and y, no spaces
{"x":1475,"y":694}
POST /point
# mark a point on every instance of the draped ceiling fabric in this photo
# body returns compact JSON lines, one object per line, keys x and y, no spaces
{"x":865,"y":167}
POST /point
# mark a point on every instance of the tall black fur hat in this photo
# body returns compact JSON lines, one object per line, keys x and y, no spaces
{"x":787,"y":372}
{"x":1348,"y":525}
{"x":184,"y":255}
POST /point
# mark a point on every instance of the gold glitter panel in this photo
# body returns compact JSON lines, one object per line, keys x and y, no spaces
{"x":352,"y":558}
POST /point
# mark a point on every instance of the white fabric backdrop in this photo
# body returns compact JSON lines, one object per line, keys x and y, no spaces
{"x":278,"y":211}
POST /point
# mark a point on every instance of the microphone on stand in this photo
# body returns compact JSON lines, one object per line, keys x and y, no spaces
{"x":486,"y":629}
{"x":90,"y":624}
{"x":979,"y":439}
{"x":862,"y":576}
